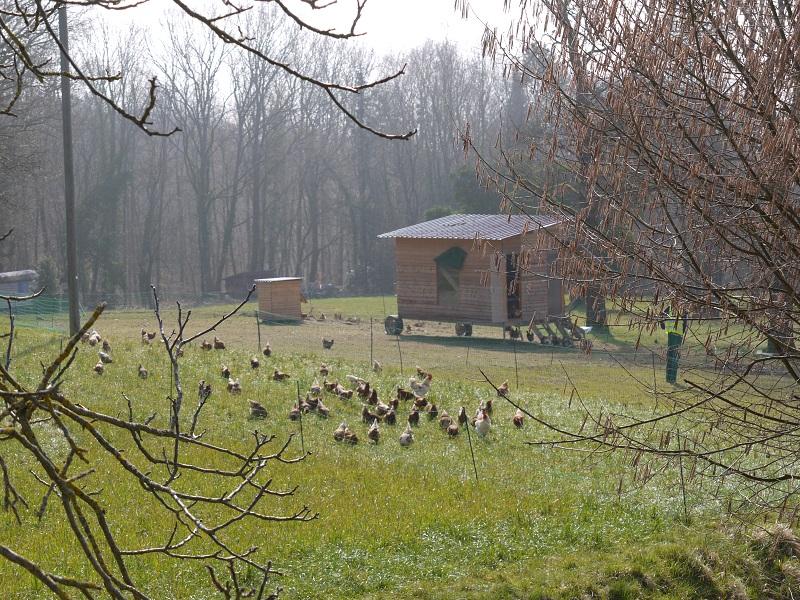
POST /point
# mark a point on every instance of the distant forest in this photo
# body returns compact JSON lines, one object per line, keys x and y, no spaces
{"x":265,"y":173}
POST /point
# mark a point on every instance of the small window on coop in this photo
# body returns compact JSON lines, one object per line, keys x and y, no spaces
{"x":448,"y":275}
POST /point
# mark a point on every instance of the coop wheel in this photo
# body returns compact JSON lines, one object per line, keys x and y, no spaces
{"x":393,"y":325}
{"x":463,"y":329}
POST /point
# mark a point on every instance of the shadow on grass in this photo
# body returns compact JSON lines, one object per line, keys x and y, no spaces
{"x":483,"y":343}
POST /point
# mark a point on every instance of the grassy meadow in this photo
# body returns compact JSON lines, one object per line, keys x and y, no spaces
{"x":428,"y":521}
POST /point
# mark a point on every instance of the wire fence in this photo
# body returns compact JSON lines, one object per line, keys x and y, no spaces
{"x":51,"y":314}
{"x":435,"y":345}
{"x":365,"y":339}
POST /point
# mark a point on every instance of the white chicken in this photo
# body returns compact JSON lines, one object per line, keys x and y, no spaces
{"x":421,"y":388}
{"x":483,"y":425}
{"x":407,"y":437}
{"x":355,"y":380}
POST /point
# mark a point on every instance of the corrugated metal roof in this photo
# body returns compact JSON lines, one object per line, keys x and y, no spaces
{"x":14,"y":276}
{"x":467,"y":227}
{"x":277,"y":279}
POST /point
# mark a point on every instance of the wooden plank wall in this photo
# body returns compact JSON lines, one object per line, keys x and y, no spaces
{"x":416,"y":282}
{"x":417,"y":285}
{"x":280,"y":298}
{"x":534,"y":293}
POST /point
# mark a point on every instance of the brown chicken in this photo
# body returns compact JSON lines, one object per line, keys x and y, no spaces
{"x":420,"y":402}
{"x":368,"y":416}
{"x":279,"y":375}
{"x":327,"y":344}
{"x":267,"y":350}
{"x":374,"y":433}
{"x":340,"y":431}
{"x":373,"y":397}
{"x":445,"y":420}
{"x":218,"y":344}
{"x":363,"y":390}
{"x":518,"y":419}
{"x":322,"y":410}
{"x":404,"y":394}
{"x":382,"y":408}
{"x":343,"y":392}
{"x":502,"y":389}
{"x":311,"y":401}
{"x":257,"y":410}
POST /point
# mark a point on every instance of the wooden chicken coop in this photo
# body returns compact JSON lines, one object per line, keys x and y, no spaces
{"x":466,"y":269}
{"x":279,"y":298}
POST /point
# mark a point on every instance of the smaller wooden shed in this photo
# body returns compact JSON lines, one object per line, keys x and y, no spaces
{"x":18,"y":282}
{"x":477,"y":269}
{"x":279,"y":298}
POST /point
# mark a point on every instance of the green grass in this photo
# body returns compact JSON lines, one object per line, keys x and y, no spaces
{"x":396,"y":522}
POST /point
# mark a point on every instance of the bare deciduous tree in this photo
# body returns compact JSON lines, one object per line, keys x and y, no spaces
{"x":680,"y":118}
{"x":26,"y":29}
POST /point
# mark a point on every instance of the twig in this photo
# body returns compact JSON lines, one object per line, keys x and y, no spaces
{"x":472,"y":453}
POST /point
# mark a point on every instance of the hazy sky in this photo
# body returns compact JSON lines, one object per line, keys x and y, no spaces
{"x":401,"y":24}
{"x":389,"y":25}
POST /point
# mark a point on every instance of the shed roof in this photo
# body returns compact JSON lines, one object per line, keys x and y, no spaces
{"x":467,"y":227}
{"x":14,"y":276}
{"x":277,"y":279}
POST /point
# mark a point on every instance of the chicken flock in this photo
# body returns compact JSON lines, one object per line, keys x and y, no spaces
{"x":377,"y":414}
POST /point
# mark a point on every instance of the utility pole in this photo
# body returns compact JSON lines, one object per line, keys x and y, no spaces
{"x":69,"y":177}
